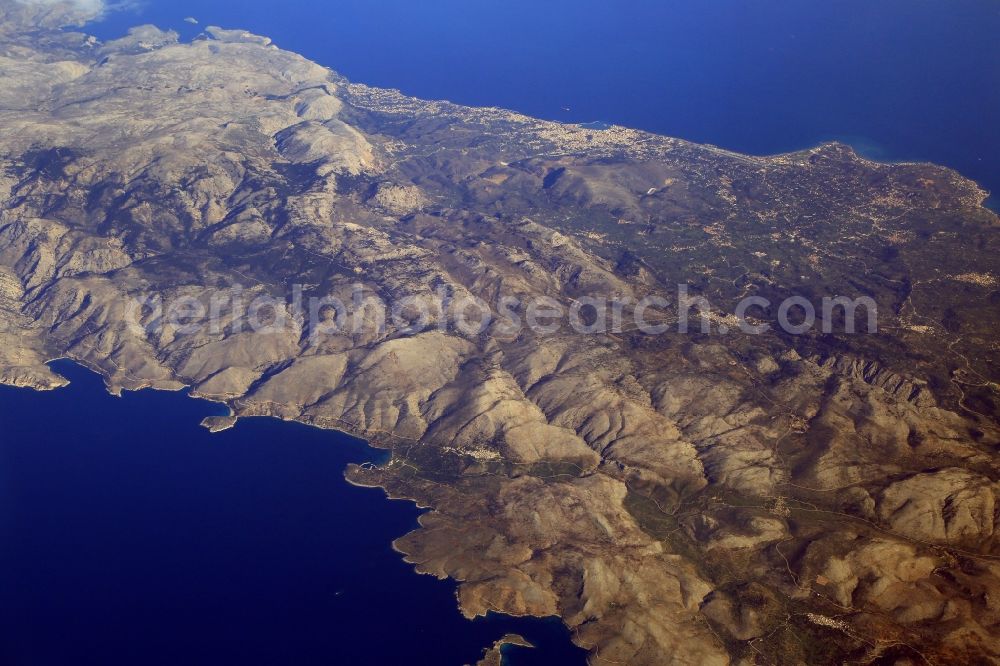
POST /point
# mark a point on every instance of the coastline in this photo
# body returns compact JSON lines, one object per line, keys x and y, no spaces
{"x":219,"y":424}
{"x":857,"y":143}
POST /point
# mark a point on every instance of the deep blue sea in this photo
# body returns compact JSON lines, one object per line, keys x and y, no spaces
{"x":898,"y":79}
{"x":131,"y":536}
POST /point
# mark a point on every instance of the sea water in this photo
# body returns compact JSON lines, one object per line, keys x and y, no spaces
{"x":131,"y":535}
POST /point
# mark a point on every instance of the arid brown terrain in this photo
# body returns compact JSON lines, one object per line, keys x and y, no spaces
{"x":690,"y":498}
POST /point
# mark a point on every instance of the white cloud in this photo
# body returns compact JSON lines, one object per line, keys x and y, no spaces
{"x":82,"y":5}
{"x":79,"y":9}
